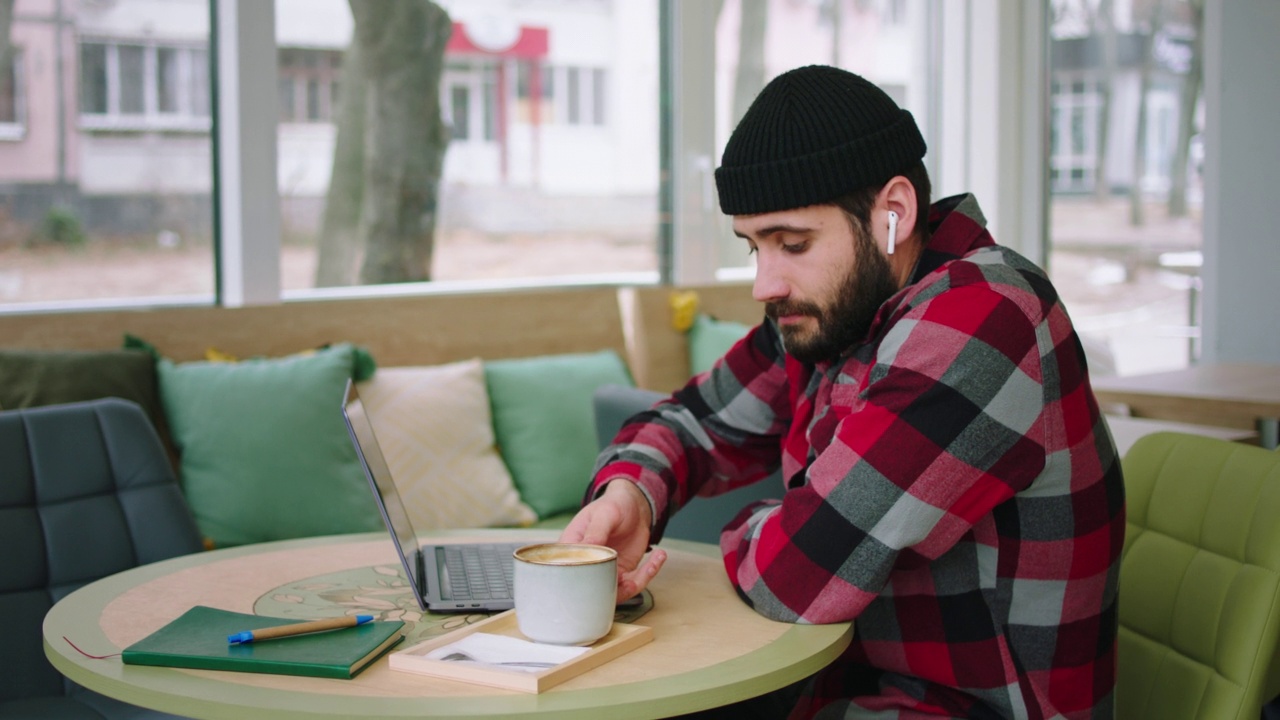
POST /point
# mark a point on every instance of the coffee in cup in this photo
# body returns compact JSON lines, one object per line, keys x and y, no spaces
{"x":565,"y":593}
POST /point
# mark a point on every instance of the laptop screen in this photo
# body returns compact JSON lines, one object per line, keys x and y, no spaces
{"x":379,"y":474}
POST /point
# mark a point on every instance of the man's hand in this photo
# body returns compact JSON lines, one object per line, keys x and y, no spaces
{"x":620,"y":519}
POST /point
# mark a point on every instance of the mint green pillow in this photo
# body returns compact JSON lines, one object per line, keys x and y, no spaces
{"x":265,"y":454}
{"x":543,"y":421}
{"x":710,"y":339}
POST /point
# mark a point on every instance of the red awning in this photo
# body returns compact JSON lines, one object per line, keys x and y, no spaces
{"x":495,"y":40}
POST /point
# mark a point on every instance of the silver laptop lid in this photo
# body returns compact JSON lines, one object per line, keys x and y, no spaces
{"x":384,"y":489}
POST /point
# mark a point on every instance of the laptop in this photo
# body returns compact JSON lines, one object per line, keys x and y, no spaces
{"x":467,"y":577}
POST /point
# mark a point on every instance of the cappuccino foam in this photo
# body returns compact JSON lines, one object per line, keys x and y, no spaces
{"x":564,"y":554}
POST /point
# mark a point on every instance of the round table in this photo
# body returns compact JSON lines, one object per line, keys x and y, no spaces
{"x":708,"y":650}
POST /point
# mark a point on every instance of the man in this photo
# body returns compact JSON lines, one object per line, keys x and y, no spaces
{"x":951,"y":486}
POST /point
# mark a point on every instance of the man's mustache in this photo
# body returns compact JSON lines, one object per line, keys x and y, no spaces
{"x":793,"y":307}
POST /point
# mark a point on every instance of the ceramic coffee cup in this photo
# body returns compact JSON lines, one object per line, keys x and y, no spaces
{"x":565,"y":593}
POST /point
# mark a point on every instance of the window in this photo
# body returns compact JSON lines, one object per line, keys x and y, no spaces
{"x":531,"y":92}
{"x":132,"y":78}
{"x":93,"y":79}
{"x":536,"y":184}
{"x":755,"y":42}
{"x":117,"y":207}
{"x":573,"y":96}
{"x":308,"y":84}
{"x":1125,"y":230}
{"x":1073,"y":136}
{"x":460,"y":111}
{"x":12,"y":102}
{"x":128,"y":86}
{"x":578,"y":95}
{"x":597,"y":96}
{"x":168,"y":80}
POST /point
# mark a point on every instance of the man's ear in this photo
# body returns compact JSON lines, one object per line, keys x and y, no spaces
{"x":897,"y":196}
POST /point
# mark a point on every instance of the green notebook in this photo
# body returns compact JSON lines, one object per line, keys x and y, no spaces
{"x":198,"y":639}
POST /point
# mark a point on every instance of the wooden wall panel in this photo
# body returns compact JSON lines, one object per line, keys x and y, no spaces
{"x":416,"y":330}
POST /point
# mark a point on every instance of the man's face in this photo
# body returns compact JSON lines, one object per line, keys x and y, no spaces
{"x":821,"y":281}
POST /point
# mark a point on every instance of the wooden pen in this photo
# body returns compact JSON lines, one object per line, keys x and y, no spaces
{"x":302,"y":628}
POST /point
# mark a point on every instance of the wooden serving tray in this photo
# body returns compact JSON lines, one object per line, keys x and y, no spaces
{"x":622,"y":639}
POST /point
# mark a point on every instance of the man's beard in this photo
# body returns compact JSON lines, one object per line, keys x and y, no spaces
{"x":846,"y":321}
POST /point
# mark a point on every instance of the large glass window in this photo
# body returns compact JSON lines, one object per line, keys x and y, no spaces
{"x":756,"y":40}
{"x":1124,"y":177}
{"x":499,"y":132}
{"x":530,"y":153}
{"x":109,"y":197}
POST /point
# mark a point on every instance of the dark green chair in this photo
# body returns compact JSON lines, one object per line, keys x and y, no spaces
{"x":86,"y":490}
{"x":703,"y":518}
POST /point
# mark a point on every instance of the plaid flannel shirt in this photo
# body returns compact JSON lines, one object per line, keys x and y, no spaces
{"x":951,"y":488}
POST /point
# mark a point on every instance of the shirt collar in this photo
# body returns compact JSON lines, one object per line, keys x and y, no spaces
{"x":957,"y":227}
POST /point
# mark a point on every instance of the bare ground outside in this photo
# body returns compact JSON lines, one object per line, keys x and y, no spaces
{"x":1108,"y":272}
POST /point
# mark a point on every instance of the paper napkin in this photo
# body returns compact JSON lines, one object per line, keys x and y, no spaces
{"x":505,"y":652}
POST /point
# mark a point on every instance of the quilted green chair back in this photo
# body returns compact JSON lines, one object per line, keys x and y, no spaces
{"x":1199,"y":580}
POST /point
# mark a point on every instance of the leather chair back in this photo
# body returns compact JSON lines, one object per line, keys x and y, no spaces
{"x":86,"y":490}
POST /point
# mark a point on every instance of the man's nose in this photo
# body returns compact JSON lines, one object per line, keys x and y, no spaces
{"x":769,"y":284}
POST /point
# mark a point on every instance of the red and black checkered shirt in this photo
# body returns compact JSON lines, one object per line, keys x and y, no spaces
{"x":951,"y":488}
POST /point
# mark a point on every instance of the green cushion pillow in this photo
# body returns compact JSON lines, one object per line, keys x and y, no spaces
{"x":265,"y":453}
{"x":710,"y":339}
{"x":30,"y":378}
{"x":542,"y":418}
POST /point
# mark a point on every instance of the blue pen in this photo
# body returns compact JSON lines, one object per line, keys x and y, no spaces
{"x":280,"y":631}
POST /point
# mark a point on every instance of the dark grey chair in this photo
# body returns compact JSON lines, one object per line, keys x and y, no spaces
{"x":702,"y":518}
{"x":86,"y":490}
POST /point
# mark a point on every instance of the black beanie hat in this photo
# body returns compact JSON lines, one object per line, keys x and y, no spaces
{"x":811,"y":135}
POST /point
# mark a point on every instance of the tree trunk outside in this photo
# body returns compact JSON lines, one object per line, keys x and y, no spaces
{"x":1190,"y":95}
{"x":6,"y":47}
{"x":402,"y":51}
{"x":1137,"y":215}
{"x":837,"y":23}
{"x":339,"y":242}
{"x":1106,"y":26}
{"x":749,"y":79}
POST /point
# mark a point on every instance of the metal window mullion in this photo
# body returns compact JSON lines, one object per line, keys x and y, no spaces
{"x":248,"y":201}
{"x":693,"y":212}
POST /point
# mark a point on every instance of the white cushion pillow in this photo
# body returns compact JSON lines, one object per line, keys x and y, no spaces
{"x":434,"y":426}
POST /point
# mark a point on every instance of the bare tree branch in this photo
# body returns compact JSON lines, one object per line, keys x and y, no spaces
{"x":1190,"y":96}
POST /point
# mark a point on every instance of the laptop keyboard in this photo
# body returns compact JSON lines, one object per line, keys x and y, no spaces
{"x":479,"y":572}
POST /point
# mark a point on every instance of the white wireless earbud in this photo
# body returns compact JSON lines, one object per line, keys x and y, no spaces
{"x":893,"y":230}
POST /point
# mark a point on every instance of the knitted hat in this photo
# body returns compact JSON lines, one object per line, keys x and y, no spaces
{"x":811,"y":135}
